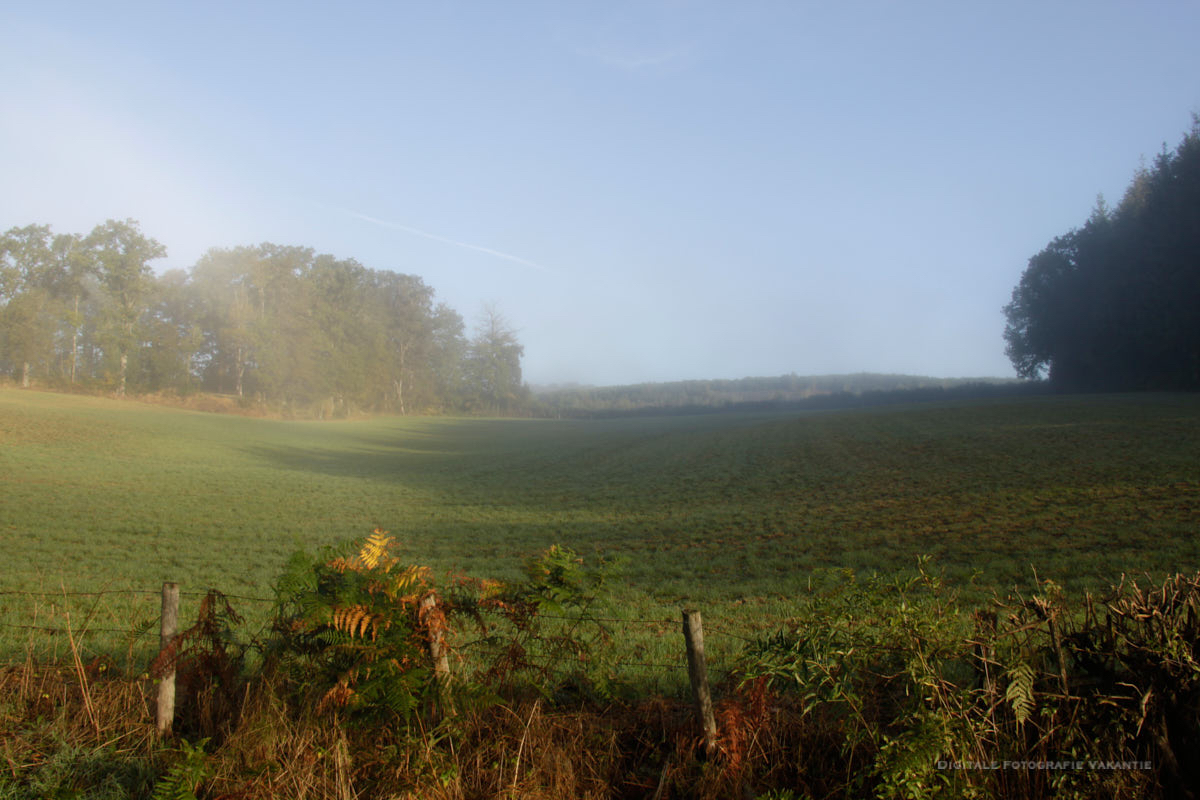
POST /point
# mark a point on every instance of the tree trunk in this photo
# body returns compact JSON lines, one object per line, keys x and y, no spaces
{"x":241,"y":370}
{"x":121,"y":375}
{"x":75,"y":340}
{"x":399,"y":382}
{"x":25,"y":375}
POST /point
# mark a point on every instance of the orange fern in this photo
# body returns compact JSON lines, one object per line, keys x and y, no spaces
{"x":357,"y":621}
{"x":338,"y":696}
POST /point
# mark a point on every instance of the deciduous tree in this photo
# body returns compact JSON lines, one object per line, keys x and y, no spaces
{"x":123,"y":256}
{"x":494,"y":363}
{"x":27,"y":317}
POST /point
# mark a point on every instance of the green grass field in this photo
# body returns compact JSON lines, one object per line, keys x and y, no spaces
{"x":730,"y":512}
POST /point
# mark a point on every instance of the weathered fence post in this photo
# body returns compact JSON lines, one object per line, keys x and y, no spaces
{"x":693,"y":635}
{"x":437,"y":650}
{"x":168,"y":626}
{"x":983,"y":649}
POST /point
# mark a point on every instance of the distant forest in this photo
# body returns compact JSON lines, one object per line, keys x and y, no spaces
{"x":282,"y":327}
{"x":302,"y":334}
{"x":765,"y":394}
{"x":1115,"y":305}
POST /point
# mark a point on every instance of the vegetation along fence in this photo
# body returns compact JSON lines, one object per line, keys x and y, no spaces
{"x":46,"y":607}
{"x":874,"y":687}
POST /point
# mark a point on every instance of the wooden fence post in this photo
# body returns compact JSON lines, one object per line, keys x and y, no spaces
{"x":168,"y":627}
{"x":693,"y":635}
{"x":437,"y":652}
{"x":983,"y":650}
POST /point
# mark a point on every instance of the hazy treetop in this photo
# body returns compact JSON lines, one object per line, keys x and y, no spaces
{"x":651,"y":191}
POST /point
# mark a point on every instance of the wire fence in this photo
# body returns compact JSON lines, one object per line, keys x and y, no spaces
{"x":113,"y":623}
{"x":639,"y":655}
{"x":645,"y":644}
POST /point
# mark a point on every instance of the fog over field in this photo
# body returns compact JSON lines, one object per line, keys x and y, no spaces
{"x":648,"y":191}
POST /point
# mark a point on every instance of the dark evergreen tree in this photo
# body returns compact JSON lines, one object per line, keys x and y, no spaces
{"x":1115,"y":305}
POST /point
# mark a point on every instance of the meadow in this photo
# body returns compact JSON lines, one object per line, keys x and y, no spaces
{"x":732,"y":513}
{"x":836,"y":674}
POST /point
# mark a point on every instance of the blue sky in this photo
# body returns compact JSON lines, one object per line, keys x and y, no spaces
{"x":648,"y":190}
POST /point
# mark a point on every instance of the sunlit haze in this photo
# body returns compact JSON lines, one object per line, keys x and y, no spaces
{"x":649,"y":191}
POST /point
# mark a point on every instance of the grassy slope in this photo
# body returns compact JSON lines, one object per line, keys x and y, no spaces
{"x":708,"y":509}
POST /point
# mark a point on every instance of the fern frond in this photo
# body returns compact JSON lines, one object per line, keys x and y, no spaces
{"x":406,"y":580}
{"x":1019,"y":693}
{"x":338,"y":696}
{"x":185,"y":776}
{"x":374,"y":552}
{"x":357,"y":621}
{"x":340,"y":565}
{"x":140,"y":629}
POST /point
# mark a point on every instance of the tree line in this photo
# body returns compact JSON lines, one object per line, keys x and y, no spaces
{"x":785,"y":392}
{"x":1115,"y":304}
{"x":302,"y":332}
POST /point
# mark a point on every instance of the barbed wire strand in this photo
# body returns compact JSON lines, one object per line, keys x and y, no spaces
{"x":75,"y":632}
{"x":229,"y":596}
{"x":146,"y":592}
{"x":541,"y":659}
{"x":656,"y":621}
{"x":143,"y":592}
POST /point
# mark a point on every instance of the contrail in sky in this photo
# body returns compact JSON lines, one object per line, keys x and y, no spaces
{"x":416,"y":232}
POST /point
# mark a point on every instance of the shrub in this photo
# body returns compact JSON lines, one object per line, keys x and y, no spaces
{"x":349,"y":630}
